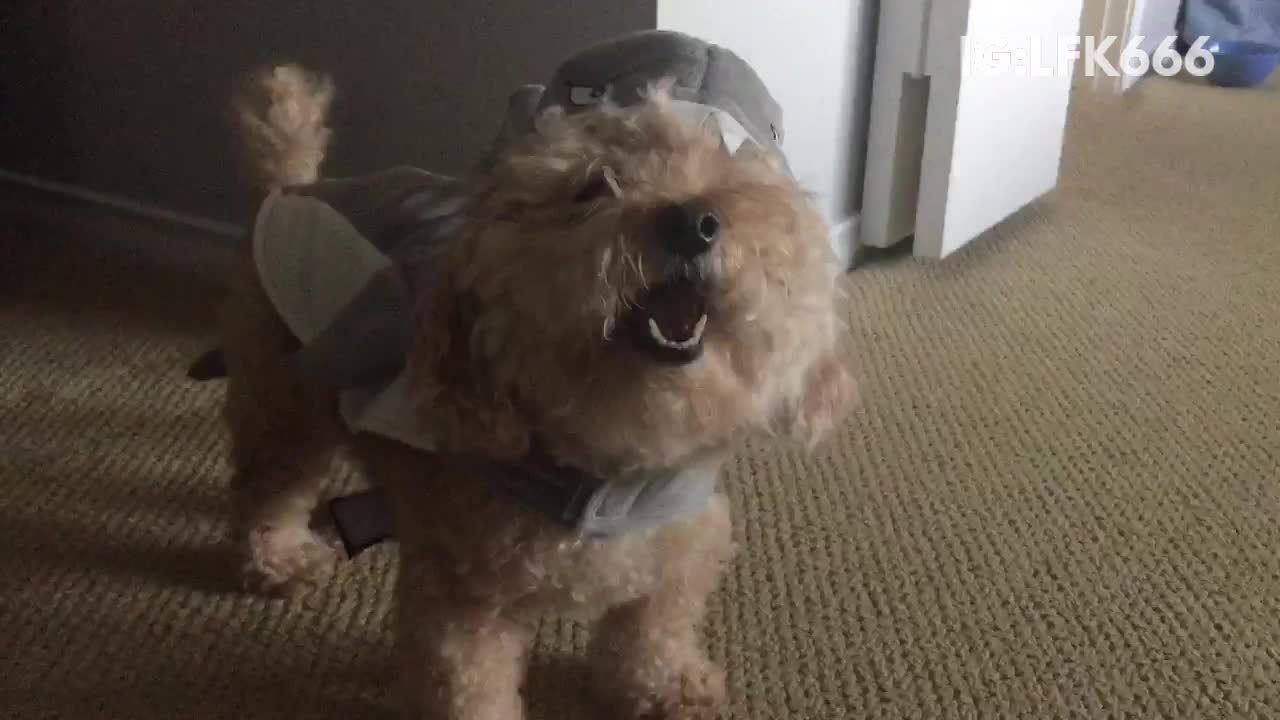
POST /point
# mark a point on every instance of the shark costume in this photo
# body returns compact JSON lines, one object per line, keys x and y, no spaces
{"x":332,"y":257}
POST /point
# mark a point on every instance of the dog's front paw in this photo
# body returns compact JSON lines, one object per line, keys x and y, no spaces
{"x":693,"y":692}
{"x":282,"y":560}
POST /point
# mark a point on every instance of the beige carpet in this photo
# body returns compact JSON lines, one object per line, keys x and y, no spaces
{"x":1059,"y":498}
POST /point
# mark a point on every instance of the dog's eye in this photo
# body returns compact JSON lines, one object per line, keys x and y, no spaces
{"x":601,"y":185}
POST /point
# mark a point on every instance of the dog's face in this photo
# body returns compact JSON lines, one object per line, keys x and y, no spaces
{"x":627,"y":292}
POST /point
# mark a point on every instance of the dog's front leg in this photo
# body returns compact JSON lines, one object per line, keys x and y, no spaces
{"x":650,"y":663}
{"x":461,"y":661}
{"x":648,"y":655}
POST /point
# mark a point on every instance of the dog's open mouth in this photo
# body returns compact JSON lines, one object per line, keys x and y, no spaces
{"x":669,"y":320}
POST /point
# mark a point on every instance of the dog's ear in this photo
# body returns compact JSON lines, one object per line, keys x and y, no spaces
{"x":455,"y":395}
{"x":825,"y":399}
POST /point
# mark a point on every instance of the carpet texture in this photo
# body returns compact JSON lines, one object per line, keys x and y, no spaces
{"x":1058,"y":497}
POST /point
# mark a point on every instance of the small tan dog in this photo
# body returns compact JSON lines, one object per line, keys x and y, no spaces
{"x":622,"y":294}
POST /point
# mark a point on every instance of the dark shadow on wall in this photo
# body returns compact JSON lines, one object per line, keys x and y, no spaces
{"x":866,"y":29}
{"x":129,"y":97}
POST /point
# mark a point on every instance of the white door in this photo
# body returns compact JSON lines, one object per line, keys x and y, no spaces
{"x":961,"y":138}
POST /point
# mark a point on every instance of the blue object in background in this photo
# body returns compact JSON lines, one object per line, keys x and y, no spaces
{"x":1241,"y":63}
{"x":1253,"y":20}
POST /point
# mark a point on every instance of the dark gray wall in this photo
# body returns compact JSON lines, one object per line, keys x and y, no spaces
{"x":128,"y":97}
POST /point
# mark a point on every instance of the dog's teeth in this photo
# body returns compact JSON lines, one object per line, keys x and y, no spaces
{"x":699,"y":328}
{"x":656,"y":333}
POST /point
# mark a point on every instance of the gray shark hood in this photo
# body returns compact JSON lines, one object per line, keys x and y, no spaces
{"x":704,"y":79}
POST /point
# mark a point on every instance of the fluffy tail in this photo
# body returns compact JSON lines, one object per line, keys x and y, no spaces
{"x":282,"y":114}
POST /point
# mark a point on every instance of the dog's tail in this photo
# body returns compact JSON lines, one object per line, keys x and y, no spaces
{"x":282,"y":114}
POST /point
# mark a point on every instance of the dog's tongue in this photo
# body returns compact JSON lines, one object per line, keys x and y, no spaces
{"x":676,"y":307}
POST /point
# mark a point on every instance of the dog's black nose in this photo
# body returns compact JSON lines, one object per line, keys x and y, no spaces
{"x":688,"y":230}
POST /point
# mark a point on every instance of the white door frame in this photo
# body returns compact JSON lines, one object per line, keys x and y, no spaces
{"x":1123,"y":19}
{"x":1117,"y":18}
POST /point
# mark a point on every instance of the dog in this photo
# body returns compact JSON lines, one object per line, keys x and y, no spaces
{"x":619,"y":294}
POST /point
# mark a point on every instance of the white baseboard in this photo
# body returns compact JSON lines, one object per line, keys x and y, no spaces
{"x":844,"y":239}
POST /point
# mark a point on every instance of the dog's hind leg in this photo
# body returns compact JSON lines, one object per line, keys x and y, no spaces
{"x":284,"y":435}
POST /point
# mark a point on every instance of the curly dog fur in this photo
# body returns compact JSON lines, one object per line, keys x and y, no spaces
{"x":521,"y":338}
